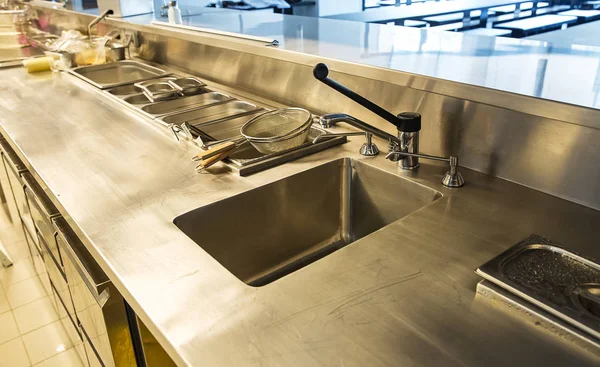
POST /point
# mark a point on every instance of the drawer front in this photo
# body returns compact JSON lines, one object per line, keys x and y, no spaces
{"x":91,"y":317}
{"x":17,"y":187}
{"x":41,"y":209}
{"x":38,"y":263}
{"x":69,"y":323}
{"x":88,"y":311}
{"x":58,"y":279}
{"x":6,"y":198}
{"x":93,"y":356}
{"x":42,"y":222}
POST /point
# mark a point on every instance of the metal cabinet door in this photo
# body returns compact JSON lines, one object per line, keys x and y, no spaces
{"x":68,"y":323}
{"x":57,"y":278}
{"x":87,"y":306}
{"x":94,"y":358}
{"x":6,"y":198}
{"x":37,"y":258}
{"x":42,"y":212}
{"x":18,"y":190}
{"x":64,"y":298}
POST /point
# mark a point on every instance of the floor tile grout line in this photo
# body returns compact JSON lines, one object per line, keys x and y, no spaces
{"x":15,"y":321}
{"x":27,"y":351}
{"x":39,"y":327}
{"x":24,"y":348}
{"x":12,"y":229}
{"x":10,"y":340}
{"x":12,"y":309}
{"x":26,"y":259}
{"x":5,"y":295}
{"x":21,"y":334}
{"x":15,"y":263}
{"x":43,"y":360}
{"x":41,"y":284}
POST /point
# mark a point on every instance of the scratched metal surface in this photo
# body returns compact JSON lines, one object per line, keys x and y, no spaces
{"x":404,"y":295}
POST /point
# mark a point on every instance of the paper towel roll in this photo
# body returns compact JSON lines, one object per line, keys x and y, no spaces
{"x":38,"y":64}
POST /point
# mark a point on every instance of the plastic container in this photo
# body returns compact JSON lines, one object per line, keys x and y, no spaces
{"x":174,"y":13}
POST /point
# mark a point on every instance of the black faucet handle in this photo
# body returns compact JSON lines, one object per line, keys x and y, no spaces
{"x":321,"y":73}
{"x":410,"y":122}
{"x":406,"y":121}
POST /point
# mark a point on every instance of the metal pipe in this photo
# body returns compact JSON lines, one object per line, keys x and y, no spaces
{"x":333,"y":118}
{"x":426,"y":156}
{"x":97,"y":20}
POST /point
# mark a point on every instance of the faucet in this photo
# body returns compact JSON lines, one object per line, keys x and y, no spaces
{"x":97,"y":20}
{"x":369,"y":148}
{"x":403,"y":149}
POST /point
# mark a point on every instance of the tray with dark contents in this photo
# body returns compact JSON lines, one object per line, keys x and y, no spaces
{"x":544,"y":273}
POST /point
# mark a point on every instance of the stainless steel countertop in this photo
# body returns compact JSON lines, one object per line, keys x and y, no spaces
{"x":404,"y":295}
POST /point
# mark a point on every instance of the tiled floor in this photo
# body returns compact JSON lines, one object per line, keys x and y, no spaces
{"x":30,"y":331}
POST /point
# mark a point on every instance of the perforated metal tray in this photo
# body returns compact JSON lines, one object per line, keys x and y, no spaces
{"x":247,"y":160}
{"x":560,"y":282}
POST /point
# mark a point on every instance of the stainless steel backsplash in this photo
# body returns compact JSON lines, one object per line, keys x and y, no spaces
{"x":556,"y":156}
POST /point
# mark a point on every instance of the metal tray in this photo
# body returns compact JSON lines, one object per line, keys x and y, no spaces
{"x":185,"y":103}
{"x":158,"y":90}
{"x":228,"y":129}
{"x":212,"y":113}
{"x":247,"y":160}
{"x":125,"y":90}
{"x":117,"y":73}
{"x":495,"y":295}
{"x":137,"y":99}
{"x":560,"y":282}
{"x":188,"y":85}
{"x":128,"y":89}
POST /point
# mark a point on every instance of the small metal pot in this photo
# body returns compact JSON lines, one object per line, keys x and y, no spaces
{"x":116,"y":52}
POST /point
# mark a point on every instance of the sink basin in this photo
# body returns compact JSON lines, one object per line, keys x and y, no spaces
{"x":266,"y":233}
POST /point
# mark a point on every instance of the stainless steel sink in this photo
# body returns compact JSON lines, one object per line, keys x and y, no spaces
{"x":268,"y":232}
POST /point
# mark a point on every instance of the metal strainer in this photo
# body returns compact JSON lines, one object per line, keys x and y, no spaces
{"x":279,"y":130}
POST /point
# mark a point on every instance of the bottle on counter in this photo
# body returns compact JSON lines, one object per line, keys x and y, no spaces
{"x":174,"y":13}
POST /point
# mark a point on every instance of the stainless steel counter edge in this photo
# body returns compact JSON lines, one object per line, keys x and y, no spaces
{"x":534,"y":106}
{"x":404,"y":295}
